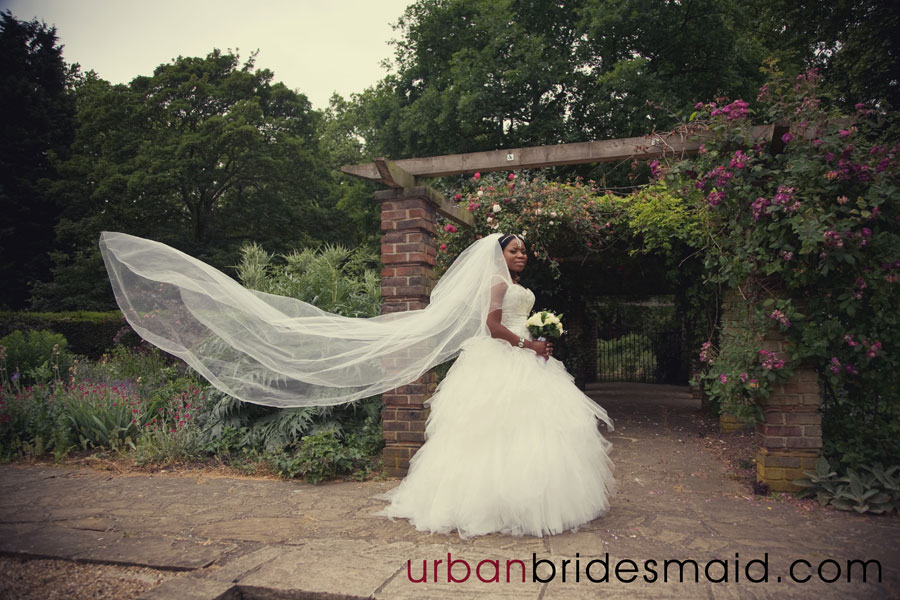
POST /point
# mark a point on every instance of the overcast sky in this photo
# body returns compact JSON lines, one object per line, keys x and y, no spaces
{"x":314,"y":46}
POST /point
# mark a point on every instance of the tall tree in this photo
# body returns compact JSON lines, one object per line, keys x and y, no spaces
{"x":36,"y":126}
{"x":205,"y":154}
{"x":483,"y":74}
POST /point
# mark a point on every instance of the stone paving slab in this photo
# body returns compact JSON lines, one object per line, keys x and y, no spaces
{"x":52,"y":541}
{"x":244,"y":539}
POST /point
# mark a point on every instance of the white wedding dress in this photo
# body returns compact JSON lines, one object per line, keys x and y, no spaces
{"x":513,"y":446}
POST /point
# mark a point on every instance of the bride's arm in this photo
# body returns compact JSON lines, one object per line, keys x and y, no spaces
{"x":499,"y":331}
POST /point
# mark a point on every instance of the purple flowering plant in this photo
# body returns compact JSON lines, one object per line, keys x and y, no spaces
{"x":800,"y":212}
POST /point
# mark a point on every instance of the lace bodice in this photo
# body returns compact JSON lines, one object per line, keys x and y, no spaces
{"x":517,"y":303}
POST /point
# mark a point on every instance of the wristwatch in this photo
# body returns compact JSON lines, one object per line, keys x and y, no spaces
{"x":521,"y":342}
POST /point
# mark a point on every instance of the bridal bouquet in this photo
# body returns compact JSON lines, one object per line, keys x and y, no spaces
{"x":544,"y":324}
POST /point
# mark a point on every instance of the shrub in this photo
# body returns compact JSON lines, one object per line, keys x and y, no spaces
{"x":319,"y":456}
{"x":343,"y":446}
{"x":33,"y":356}
{"x":102,"y":414}
{"x":32,"y":422}
{"x":89,"y":333}
{"x":875,"y":490}
{"x":626,"y":357}
{"x":159,"y":445}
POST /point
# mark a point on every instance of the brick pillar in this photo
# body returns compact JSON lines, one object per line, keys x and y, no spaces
{"x":791,"y":434}
{"x":408,"y":254}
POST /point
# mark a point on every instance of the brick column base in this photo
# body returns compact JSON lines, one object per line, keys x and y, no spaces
{"x":791,"y":435}
{"x":779,"y":468}
{"x":403,"y":419}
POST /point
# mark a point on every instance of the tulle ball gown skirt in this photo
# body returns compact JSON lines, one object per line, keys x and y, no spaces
{"x":513,"y":446}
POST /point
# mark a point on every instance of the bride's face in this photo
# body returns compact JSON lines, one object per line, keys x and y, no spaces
{"x":515,"y":256}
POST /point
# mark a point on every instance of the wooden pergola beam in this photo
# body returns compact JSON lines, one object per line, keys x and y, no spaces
{"x":394,"y":176}
{"x":637,"y":148}
{"x":451,"y":210}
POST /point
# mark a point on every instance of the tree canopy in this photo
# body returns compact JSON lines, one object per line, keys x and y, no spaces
{"x":475,"y":75}
{"x":205,"y":154}
{"x":852,"y":43}
{"x":36,"y":126}
{"x":209,"y":152}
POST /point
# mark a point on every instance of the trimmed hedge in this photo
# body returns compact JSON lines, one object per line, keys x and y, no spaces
{"x":88,"y":333}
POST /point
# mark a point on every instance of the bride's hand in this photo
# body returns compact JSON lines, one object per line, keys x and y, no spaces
{"x":544,"y":349}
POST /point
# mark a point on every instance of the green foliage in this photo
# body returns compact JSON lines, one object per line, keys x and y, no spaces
{"x":654,"y":314}
{"x":875,"y":491}
{"x":32,"y":422}
{"x":148,"y":367}
{"x":265,"y":428}
{"x":738,"y":377}
{"x":556,"y":219}
{"x":230,"y":426}
{"x":658,"y":219}
{"x":852,"y":43}
{"x":334,"y":278}
{"x":859,"y":430}
{"x":102,"y":415}
{"x":35,"y":356}
{"x":104,"y":404}
{"x":322,"y":456}
{"x":474,"y":75}
{"x":342,"y":141}
{"x":157,"y":445}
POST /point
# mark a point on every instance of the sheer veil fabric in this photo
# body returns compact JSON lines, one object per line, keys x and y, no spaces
{"x":282,"y":352}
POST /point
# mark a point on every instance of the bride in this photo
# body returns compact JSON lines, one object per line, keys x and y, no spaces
{"x":512,"y":444}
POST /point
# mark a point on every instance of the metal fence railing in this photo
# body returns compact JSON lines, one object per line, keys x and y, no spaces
{"x":641,"y":357}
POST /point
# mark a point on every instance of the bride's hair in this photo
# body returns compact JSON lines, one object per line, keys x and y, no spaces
{"x":506,"y":239}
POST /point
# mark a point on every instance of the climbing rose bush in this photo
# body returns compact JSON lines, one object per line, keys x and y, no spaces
{"x":556,"y":219}
{"x":807,"y":229}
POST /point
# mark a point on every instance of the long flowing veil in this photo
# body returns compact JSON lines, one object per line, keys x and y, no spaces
{"x":279,"y":351}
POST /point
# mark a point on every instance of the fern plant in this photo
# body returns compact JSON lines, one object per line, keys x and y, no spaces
{"x":334,"y":278}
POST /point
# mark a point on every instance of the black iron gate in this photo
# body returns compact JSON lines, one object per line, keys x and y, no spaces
{"x":641,"y":356}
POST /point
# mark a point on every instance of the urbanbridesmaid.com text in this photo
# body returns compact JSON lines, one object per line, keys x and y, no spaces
{"x":601,"y":570}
